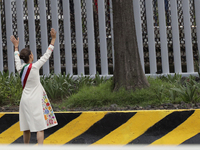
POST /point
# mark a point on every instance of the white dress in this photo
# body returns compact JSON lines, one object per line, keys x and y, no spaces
{"x":35,"y":111}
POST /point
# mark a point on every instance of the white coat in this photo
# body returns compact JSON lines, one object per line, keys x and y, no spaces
{"x":35,"y":111}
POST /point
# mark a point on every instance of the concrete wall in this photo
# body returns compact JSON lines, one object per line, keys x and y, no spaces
{"x":152,"y":127}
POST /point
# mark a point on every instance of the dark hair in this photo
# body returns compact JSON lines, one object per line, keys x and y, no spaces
{"x":24,"y":54}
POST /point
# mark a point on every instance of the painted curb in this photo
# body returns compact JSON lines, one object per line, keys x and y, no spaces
{"x":152,"y":127}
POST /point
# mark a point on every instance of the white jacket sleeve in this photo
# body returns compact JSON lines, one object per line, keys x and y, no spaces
{"x":44,"y":58}
{"x":17,"y":61}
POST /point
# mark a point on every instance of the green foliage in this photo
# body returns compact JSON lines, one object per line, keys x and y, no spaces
{"x":85,"y":91}
{"x":91,"y":96}
{"x":58,"y":87}
{"x":10,"y":88}
{"x":176,"y":78}
{"x":189,"y":91}
{"x":162,"y":90}
{"x":99,"y":80}
{"x":63,"y":86}
{"x":102,"y":95}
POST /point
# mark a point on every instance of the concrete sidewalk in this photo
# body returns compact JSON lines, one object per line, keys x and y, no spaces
{"x":98,"y":147}
{"x":152,"y":127}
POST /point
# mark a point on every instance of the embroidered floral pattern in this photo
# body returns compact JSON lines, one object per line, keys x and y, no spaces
{"x":49,"y":48}
{"x":48,"y":111}
{"x":16,"y":53}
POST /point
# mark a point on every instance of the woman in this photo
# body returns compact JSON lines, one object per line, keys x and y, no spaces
{"x":35,"y":111}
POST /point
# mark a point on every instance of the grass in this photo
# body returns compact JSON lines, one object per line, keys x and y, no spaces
{"x":162,"y":90}
{"x":58,"y":87}
{"x":85,"y":92}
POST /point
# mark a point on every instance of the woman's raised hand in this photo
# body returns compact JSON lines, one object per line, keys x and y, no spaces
{"x":53,"y":33}
{"x":14,"y":41}
{"x":53,"y":36}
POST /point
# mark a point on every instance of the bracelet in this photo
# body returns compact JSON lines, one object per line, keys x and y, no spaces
{"x":52,"y":44}
{"x":16,"y":47}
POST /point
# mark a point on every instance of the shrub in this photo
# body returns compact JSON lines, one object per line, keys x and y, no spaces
{"x":10,"y":88}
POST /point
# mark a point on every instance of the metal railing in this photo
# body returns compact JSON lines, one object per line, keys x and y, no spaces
{"x":167,"y":33}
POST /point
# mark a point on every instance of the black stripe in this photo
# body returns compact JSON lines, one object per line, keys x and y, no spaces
{"x":163,"y":127}
{"x":62,"y":119}
{"x":7,"y":120}
{"x":101,"y":128}
{"x":193,"y":140}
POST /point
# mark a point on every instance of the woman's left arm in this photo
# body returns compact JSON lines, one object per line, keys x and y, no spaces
{"x":16,"y":53}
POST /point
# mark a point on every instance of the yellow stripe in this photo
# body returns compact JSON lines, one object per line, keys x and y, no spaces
{"x":1,"y":115}
{"x":5,"y":113}
{"x":11,"y":134}
{"x":133,"y":128}
{"x":74,"y":128}
{"x":183,"y":132}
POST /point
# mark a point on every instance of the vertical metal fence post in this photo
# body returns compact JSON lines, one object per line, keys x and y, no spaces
{"x":67,"y":36}
{"x":188,"y":37}
{"x":163,"y":37}
{"x":31,"y":27}
{"x":20,"y":23}
{"x":102,"y":32}
{"x":138,"y":28}
{"x":44,"y":39}
{"x":9,"y":32}
{"x":175,"y":37}
{"x":197,"y":12}
{"x":90,"y":31}
{"x":1,"y":48}
{"x":79,"y":37}
{"x":151,"y":37}
{"x":56,"y":53}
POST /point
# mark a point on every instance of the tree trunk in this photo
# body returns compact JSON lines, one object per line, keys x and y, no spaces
{"x":128,"y":71}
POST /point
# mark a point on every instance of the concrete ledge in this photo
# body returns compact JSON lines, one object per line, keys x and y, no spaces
{"x":152,"y":127}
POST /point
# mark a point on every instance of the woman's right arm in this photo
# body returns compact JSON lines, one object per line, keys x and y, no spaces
{"x":47,"y":54}
{"x":38,"y":64}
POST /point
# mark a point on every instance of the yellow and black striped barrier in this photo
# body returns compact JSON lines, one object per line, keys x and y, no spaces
{"x":152,"y":127}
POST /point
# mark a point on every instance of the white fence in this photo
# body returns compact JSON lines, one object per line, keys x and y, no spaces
{"x":103,"y":37}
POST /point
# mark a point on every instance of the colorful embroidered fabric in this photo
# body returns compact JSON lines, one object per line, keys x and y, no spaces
{"x":49,"y":48}
{"x":16,"y":54}
{"x":48,"y":111}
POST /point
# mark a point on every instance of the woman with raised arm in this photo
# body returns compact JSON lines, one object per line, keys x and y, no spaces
{"x":35,"y":111}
